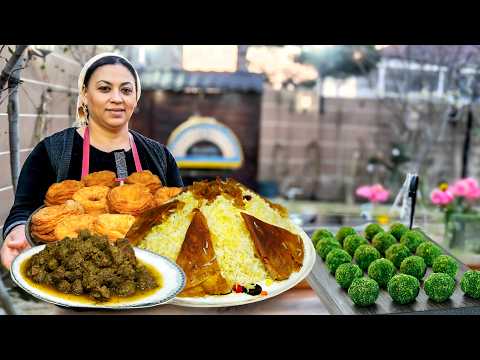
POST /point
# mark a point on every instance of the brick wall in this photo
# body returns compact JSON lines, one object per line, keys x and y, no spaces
{"x":58,"y":72}
{"x":348,"y":133}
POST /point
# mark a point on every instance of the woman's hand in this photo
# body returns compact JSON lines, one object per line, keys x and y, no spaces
{"x":14,"y":244}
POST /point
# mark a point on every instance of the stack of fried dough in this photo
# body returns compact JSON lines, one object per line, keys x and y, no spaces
{"x":98,"y":204}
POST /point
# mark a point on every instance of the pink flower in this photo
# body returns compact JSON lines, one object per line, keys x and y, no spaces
{"x":375,"y":193}
{"x":440,"y":197}
{"x":467,"y":188}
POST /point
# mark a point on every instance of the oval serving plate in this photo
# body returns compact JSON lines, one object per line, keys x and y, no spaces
{"x":172,"y":275}
{"x":276,"y":288}
{"x":28,"y":225}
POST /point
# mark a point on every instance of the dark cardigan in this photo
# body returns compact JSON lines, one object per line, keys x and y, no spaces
{"x":50,"y":162}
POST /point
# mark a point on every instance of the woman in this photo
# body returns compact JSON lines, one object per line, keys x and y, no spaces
{"x":109,"y":89}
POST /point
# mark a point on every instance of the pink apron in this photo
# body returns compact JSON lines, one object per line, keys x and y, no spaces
{"x":86,"y":154}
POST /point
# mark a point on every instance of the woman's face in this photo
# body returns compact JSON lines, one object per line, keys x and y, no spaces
{"x":111,"y":96}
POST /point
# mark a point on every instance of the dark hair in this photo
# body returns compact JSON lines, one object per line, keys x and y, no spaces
{"x":109,"y":60}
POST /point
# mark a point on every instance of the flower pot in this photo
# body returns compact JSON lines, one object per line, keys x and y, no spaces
{"x":462,"y":232}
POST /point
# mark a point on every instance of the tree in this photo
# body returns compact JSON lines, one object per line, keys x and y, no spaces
{"x":10,"y":76}
{"x":339,"y":61}
{"x":424,"y":95}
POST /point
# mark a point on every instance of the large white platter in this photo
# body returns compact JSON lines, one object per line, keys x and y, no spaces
{"x":276,"y":288}
{"x":172,"y":275}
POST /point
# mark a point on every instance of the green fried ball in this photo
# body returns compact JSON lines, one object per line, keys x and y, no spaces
{"x":397,"y":253}
{"x":352,"y":242}
{"x":365,"y":255}
{"x":346,"y":273}
{"x":382,"y":241}
{"x":397,"y":230}
{"x":439,"y":287}
{"x":325,"y":245}
{"x":381,"y":270}
{"x":403,"y":288}
{"x":343,"y":232}
{"x":445,"y":264}
{"x":320,"y":234}
{"x":337,"y":257}
{"x":363,"y":291}
{"x":371,"y":230}
{"x":415,"y":266}
{"x":470,"y":283}
{"x":412,"y":239}
{"x":428,"y":251}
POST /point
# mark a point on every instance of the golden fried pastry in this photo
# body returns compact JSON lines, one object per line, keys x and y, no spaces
{"x":60,"y":192}
{"x":46,"y":219}
{"x":93,"y":199}
{"x":73,"y":224}
{"x":104,"y":178}
{"x":114,"y":226}
{"x":130,"y":199}
{"x":163,"y":194}
{"x":145,"y":177}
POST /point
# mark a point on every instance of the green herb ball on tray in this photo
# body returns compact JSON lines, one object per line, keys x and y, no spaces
{"x":470,"y":283}
{"x":381,"y":270}
{"x":397,"y":230}
{"x":428,"y":251}
{"x":346,"y":273}
{"x":439,"y":287}
{"x":343,"y":232}
{"x":364,"y":291}
{"x":412,"y":239}
{"x":445,"y":264}
{"x":403,"y":288}
{"x":414,"y":265}
{"x":325,"y":245}
{"x":371,"y":230}
{"x":321,"y":234}
{"x":397,"y":253}
{"x":352,"y":242}
{"x":337,"y":257}
{"x":365,"y":255}
{"x":382,"y":241}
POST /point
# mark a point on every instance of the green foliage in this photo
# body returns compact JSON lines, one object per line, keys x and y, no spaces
{"x":382,"y":241}
{"x":325,"y":245}
{"x":397,"y":253}
{"x":428,"y":252}
{"x":381,"y":270}
{"x":403,"y":288}
{"x":415,"y":266}
{"x":445,"y":264}
{"x":343,"y":232}
{"x":352,"y":242}
{"x":412,"y":239}
{"x":320,"y":234}
{"x":365,"y":255}
{"x":470,"y":283}
{"x":439,"y":287}
{"x":397,"y":230}
{"x":371,"y":230}
{"x":363,"y":291}
{"x":337,"y":257}
{"x":346,"y":273}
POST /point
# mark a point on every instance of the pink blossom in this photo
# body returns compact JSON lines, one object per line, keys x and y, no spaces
{"x":375,"y":193}
{"x":440,"y":197}
{"x":467,"y":188}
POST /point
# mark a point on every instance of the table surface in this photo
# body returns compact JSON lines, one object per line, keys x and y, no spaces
{"x":337,"y":300}
{"x":292,"y":302}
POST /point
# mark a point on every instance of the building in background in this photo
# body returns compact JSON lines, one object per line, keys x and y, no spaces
{"x":204,"y":104}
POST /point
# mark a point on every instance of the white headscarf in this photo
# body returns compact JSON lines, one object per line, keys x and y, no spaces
{"x":81,"y":116}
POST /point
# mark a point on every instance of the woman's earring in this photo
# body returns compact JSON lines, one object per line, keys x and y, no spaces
{"x":85,"y":110}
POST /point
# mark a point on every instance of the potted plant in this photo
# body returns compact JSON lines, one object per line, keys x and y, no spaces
{"x":461,"y":217}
